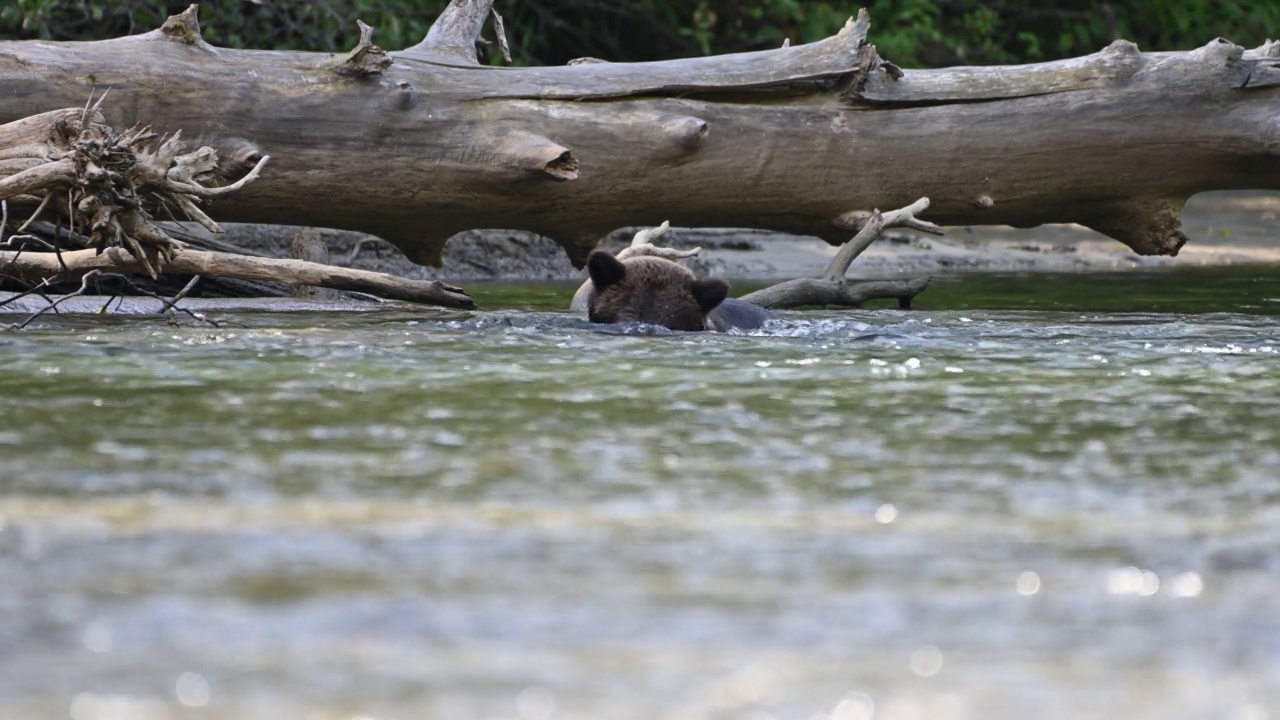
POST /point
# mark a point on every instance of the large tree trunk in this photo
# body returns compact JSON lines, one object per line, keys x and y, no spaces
{"x":418,"y":145}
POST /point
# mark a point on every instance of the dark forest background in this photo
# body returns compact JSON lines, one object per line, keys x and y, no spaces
{"x":912,"y":33}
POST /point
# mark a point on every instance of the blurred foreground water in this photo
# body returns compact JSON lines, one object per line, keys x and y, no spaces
{"x":1015,"y":505}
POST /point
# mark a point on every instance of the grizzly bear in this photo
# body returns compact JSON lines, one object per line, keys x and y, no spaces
{"x":656,"y":291}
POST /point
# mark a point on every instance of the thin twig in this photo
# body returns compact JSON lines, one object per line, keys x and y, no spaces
{"x":172,"y":303}
{"x":186,"y":289}
{"x":21,"y":248}
{"x":35,"y":290}
{"x":84,"y":285}
{"x":500,"y":30}
{"x":25,"y":239}
{"x":36,"y":214}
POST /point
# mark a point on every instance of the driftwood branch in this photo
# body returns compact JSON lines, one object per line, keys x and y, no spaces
{"x":832,"y":288}
{"x":802,"y":292}
{"x":84,"y":287}
{"x":37,"y":267}
{"x":868,"y":227}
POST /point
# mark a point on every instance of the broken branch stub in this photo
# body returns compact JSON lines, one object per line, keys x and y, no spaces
{"x":365,"y":60}
{"x":452,"y":37}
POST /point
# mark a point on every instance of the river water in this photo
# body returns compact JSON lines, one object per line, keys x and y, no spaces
{"x":1038,"y":496}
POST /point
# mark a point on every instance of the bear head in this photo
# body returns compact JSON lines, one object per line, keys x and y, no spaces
{"x":650,"y":290}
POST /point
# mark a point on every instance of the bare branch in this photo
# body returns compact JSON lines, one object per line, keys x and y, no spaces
{"x":84,"y":286}
{"x":40,"y":177}
{"x":194,"y":188}
{"x":365,"y":60}
{"x":452,"y":38}
{"x":850,"y":251}
{"x":803,"y":292}
{"x":500,"y":30}
{"x":36,"y":214}
{"x":869,"y":226}
{"x":648,"y":235}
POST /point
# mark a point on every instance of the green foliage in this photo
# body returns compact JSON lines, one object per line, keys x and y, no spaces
{"x":913,"y":33}
{"x":324,"y":26}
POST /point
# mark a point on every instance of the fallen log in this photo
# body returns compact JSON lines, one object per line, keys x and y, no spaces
{"x":420,"y":144}
{"x":58,"y":267}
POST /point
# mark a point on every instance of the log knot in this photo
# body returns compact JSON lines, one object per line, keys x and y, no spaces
{"x":687,"y":133}
{"x":1269,"y":49}
{"x":563,"y":167}
{"x":365,"y":60}
{"x":1219,"y":50}
{"x":1122,"y":47}
{"x":534,"y":153}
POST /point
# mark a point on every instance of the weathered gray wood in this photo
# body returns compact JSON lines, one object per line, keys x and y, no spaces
{"x":832,"y":288}
{"x":792,"y":139}
{"x":452,"y":37}
{"x":806,"y":292}
{"x":308,"y":245}
{"x":38,"y":266}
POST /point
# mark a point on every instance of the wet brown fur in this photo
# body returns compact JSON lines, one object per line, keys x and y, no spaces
{"x":650,"y":290}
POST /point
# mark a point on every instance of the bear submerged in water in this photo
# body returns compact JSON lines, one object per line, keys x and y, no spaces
{"x":655,"y":291}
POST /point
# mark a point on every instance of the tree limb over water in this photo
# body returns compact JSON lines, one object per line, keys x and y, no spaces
{"x":832,"y":288}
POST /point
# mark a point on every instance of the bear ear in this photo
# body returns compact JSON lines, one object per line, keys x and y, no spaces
{"x":709,"y":293}
{"x":604,"y":269}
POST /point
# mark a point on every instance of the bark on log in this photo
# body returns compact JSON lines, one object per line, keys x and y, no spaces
{"x":793,"y":139}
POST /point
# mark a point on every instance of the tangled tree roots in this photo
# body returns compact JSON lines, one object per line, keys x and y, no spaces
{"x":106,"y":186}
{"x":110,"y":183}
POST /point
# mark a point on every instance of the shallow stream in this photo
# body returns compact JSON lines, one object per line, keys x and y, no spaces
{"x":1033,"y":496}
